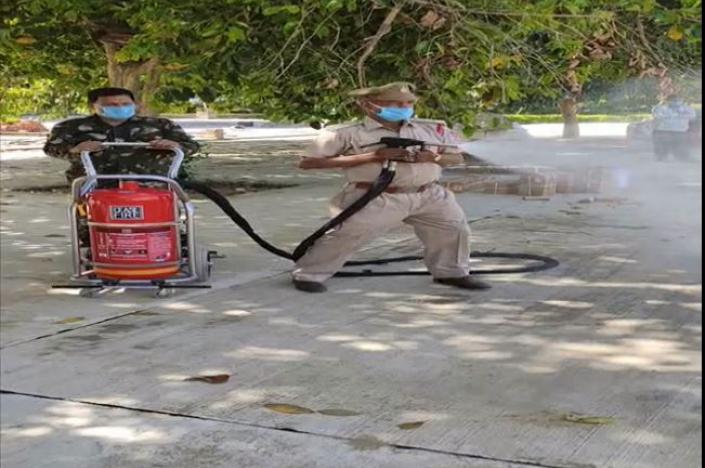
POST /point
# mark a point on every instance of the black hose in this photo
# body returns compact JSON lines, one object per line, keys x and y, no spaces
{"x":237,"y":218}
{"x":382,"y":182}
{"x":385,"y":178}
{"x":542,"y":263}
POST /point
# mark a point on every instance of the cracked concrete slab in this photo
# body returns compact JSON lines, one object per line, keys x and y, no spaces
{"x":594,"y":363}
{"x":518,"y":364}
{"x":84,"y":436}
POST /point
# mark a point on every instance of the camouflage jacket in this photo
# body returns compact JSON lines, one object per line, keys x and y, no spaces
{"x":67,"y":134}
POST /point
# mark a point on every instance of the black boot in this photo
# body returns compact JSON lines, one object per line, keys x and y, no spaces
{"x":310,"y":286}
{"x":464,"y":282}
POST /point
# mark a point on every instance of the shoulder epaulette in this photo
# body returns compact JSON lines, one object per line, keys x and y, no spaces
{"x":343,"y":125}
{"x":429,"y":121}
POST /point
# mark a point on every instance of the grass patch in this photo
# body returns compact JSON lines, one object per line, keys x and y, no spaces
{"x":557,"y":118}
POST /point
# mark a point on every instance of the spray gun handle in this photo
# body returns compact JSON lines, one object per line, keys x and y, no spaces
{"x":92,"y":176}
{"x":398,"y":142}
{"x":175,"y":163}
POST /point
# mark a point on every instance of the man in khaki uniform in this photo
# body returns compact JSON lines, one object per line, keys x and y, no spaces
{"x":414,"y":197}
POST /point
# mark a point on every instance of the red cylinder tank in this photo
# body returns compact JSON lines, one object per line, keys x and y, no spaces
{"x":134,"y":232}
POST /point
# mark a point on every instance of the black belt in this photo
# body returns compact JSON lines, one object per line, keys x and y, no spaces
{"x":395,"y":189}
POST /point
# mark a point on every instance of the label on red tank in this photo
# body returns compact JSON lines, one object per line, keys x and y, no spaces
{"x":126,"y":212}
{"x":160,"y":246}
{"x":145,"y":247}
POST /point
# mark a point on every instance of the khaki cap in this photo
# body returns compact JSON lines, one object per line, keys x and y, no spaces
{"x":398,"y":91}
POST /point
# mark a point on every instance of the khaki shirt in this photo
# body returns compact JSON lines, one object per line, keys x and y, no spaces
{"x":350,"y":139}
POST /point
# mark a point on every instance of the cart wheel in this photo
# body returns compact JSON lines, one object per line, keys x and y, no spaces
{"x":162,"y":293}
{"x":203,"y":264}
{"x":89,"y":292}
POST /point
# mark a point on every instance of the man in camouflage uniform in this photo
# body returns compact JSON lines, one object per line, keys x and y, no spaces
{"x":414,"y":198}
{"x":115,"y":120}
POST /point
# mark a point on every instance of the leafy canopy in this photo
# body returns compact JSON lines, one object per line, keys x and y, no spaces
{"x":296,"y":60}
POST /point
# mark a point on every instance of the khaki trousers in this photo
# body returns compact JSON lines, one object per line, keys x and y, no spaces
{"x":436,"y":217}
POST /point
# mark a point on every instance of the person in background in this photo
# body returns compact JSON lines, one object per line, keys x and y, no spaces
{"x":671,"y":131}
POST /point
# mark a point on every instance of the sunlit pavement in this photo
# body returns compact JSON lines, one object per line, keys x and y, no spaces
{"x":594,"y":363}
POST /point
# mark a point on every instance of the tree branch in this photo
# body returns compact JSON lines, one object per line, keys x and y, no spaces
{"x":279,"y":55}
{"x":302,"y":46}
{"x":645,"y":42}
{"x":384,"y":28}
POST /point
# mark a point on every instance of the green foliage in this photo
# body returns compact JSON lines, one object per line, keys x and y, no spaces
{"x":296,"y":60}
{"x":41,"y":97}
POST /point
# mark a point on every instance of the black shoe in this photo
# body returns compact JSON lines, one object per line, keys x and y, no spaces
{"x":310,"y":286}
{"x":464,"y":282}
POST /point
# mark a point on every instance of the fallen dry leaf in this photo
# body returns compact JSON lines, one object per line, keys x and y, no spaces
{"x":288,"y":409}
{"x":337,"y":412}
{"x":584,"y":419}
{"x":211,"y":379}
{"x":69,"y":320}
{"x":411,"y":425}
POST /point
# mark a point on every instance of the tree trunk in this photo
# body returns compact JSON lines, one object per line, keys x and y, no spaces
{"x":569,"y":110}
{"x":142,"y":78}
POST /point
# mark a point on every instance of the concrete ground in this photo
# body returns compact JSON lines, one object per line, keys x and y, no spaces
{"x":595,"y":363}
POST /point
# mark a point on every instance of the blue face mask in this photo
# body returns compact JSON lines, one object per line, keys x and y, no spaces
{"x":395,"y":114}
{"x":118,"y":112}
